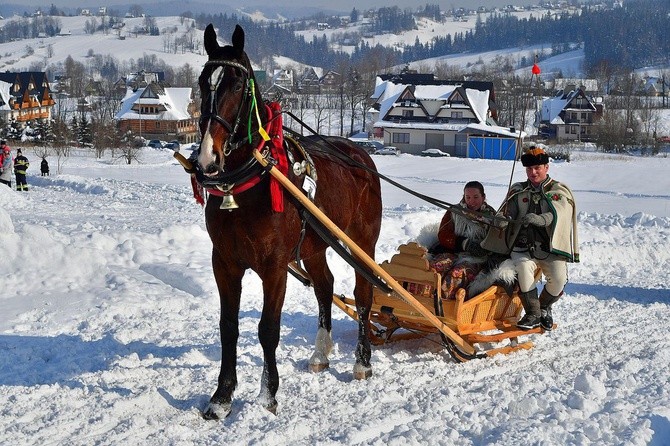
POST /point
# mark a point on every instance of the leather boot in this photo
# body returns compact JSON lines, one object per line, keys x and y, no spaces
{"x":531,"y":304}
{"x":546,"y":301}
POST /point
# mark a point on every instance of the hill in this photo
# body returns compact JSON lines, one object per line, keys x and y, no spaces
{"x":38,"y":54}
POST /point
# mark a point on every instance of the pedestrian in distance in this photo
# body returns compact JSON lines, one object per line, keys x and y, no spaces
{"x":44,"y":167}
{"x":6,"y":164}
{"x":21,"y":164}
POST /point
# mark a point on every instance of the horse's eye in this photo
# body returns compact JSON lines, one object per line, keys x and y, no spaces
{"x":238,"y":86}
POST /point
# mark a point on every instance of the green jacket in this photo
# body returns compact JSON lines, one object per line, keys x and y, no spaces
{"x":558,"y":200}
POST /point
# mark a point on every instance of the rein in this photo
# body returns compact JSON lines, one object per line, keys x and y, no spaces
{"x":487,"y":219}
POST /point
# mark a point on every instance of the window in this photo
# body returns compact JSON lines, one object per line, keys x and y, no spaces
{"x":457,"y":114}
{"x":573,"y":129}
{"x":408,"y":113}
{"x":400,"y":138}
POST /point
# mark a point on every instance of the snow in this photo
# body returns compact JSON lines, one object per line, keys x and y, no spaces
{"x":109,"y":322}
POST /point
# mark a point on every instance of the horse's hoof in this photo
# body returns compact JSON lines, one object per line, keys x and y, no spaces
{"x":217,"y":411}
{"x":318,"y":367}
{"x":362,"y":372}
{"x":318,"y":362}
{"x":272,"y":408}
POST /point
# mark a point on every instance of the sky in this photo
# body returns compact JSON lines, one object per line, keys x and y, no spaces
{"x":109,"y":331}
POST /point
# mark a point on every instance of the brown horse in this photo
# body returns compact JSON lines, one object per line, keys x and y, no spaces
{"x":256,"y":235}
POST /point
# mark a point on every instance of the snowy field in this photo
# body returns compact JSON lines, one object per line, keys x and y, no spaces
{"x":109,"y":321}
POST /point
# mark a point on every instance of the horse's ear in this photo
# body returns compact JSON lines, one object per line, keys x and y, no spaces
{"x":238,"y":40}
{"x":211,"y":45}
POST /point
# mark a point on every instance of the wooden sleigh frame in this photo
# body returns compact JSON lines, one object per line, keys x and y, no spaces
{"x":483,"y":320}
{"x":415,"y":303}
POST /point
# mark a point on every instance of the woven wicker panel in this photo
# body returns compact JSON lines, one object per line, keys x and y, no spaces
{"x":482,"y":310}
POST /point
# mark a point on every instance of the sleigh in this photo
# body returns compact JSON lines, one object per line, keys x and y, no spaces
{"x":407,"y":298}
{"x":486,"y":322}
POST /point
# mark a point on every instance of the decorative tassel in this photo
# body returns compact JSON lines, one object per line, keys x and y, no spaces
{"x":198,"y":191}
{"x":276,"y":132}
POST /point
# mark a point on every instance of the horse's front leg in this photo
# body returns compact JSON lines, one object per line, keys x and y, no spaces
{"x":229,"y":282}
{"x":274,"y":292}
{"x":363,"y":295}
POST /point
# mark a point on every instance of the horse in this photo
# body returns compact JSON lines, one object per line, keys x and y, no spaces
{"x":256,"y":233}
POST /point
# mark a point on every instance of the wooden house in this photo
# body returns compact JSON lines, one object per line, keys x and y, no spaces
{"x":415,"y":112}
{"x":159,"y":112}
{"x":25,"y":97}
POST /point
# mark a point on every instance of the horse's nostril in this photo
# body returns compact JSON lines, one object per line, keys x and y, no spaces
{"x":212,"y":168}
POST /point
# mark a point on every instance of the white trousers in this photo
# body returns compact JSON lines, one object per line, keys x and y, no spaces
{"x":554,"y":269}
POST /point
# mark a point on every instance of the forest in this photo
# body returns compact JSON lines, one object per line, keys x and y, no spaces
{"x":631,"y":36}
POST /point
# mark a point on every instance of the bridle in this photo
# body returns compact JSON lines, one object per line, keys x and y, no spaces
{"x":250,"y":172}
{"x":233,"y":141}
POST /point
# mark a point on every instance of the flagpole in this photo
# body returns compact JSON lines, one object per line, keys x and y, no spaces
{"x":535,"y":72}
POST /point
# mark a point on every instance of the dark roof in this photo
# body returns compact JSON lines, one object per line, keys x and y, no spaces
{"x":429,"y":79}
{"x":23,"y":78}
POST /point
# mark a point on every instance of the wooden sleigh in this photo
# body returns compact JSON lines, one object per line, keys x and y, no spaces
{"x":412,"y":297}
{"x":486,"y":320}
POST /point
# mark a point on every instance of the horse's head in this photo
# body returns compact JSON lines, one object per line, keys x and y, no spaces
{"x":227,"y":90}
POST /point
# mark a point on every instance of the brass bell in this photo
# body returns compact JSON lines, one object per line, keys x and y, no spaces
{"x":228,"y":201}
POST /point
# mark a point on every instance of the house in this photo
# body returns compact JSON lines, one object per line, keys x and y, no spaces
{"x":569,"y":116}
{"x":654,"y":86}
{"x":159,"y":112}
{"x":137,"y":80}
{"x":283,"y":78}
{"x":277,"y":93}
{"x":331,"y":82}
{"x":415,"y":112}
{"x":309,"y":82}
{"x":25,"y":96}
{"x":590,"y":86}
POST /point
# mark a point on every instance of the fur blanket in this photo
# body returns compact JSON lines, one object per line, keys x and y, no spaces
{"x":503,"y":274}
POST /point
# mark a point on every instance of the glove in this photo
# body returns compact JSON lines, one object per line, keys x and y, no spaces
{"x":501,"y":223}
{"x":473,"y":248}
{"x":535,"y":220}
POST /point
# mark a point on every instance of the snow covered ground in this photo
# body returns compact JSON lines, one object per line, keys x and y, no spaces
{"x":109,"y":321}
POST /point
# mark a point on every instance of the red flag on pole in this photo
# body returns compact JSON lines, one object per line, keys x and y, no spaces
{"x":536,"y":68}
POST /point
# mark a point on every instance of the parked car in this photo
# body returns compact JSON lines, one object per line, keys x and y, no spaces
{"x":194,"y":146}
{"x":369,"y":146}
{"x":387,"y":150}
{"x":173,"y":145}
{"x":434,"y":153}
{"x":155,"y":143}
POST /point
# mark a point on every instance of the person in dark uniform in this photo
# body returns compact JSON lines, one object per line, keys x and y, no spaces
{"x":21,"y":164}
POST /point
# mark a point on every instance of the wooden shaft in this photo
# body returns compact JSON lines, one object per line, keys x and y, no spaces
{"x":362,"y":255}
{"x":186,"y":164}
